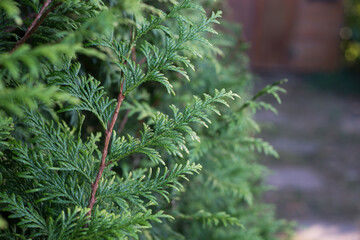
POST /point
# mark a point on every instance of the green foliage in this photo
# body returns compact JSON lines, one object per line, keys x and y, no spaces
{"x":11,"y":10}
{"x":231,"y":179}
{"x":212,"y":220}
{"x":167,"y":132}
{"x":6,"y":126}
{"x":69,"y":170}
{"x":350,"y":33}
{"x":93,"y":97}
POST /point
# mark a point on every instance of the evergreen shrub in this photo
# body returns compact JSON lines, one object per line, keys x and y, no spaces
{"x":104,"y":136}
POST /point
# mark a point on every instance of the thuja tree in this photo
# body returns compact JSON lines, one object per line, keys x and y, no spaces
{"x":225,"y":200}
{"x":94,"y":143}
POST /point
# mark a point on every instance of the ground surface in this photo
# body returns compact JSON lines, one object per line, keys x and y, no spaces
{"x":317,"y":177}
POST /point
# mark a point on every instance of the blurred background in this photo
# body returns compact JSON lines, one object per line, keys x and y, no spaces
{"x":315,"y":44}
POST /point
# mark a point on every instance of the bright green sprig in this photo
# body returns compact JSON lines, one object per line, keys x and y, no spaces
{"x":12,"y":10}
{"x":167,"y":133}
{"x":134,"y":188}
{"x":88,"y":90}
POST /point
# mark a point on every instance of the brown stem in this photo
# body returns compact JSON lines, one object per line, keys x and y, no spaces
{"x":36,"y":23}
{"x":11,"y":29}
{"x":103,"y":164}
{"x":108,"y":133}
{"x":133,"y":54}
{"x":141,"y":61}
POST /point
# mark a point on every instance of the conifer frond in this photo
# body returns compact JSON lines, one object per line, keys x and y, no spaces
{"x":198,"y":149}
{"x":260,"y":146}
{"x":61,"y":160}
{"x":32,"y":58}
{"x":88,"y":90}
{"x":12,"y":100}
{"x":213,"y":219}
{"x":142,"y":109}
{"x":273,"y":89}
{"x":167,"y":133}
{"x":255,"y":106}
{"x":6,"y":126}
{"x":12,"y":10}
{"x":226,"y":185}
{"x":69,"y":224}
{"x":52,"y":185}
{"x":160,"y":61}
{"x":105,"y":225}
{"x":29,"y":217}
{"x":133,"y":189}
{"x":61,"y":34}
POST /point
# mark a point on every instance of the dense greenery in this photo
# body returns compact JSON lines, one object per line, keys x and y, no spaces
{"x":94,"y":143}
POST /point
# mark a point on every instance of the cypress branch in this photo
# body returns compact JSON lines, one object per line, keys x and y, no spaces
{"x":39,"y":18}
{"x":60,"y":180}
{"x":108,"y":134}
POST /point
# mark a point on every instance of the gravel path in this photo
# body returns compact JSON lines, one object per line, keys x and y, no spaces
{"x":317,"y":177}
